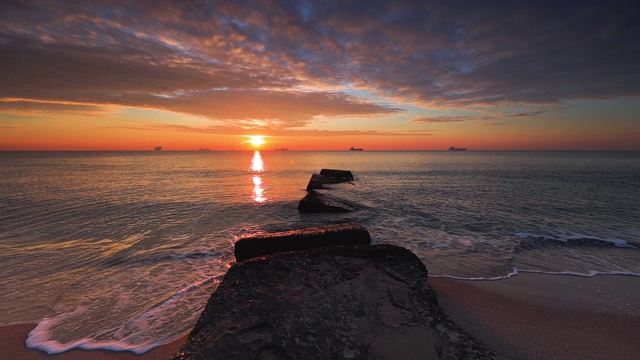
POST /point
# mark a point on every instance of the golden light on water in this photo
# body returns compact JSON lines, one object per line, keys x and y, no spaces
{"x":257,"y":166}
{"x":258,"y":191}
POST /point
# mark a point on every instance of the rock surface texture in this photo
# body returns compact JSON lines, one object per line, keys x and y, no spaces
{"x":329,"y":176}
{"x":364,"y":302}
{"x":315,"y":202}
{"x":340,"y":174}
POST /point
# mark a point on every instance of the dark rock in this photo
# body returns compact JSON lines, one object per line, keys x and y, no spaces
{"x":318,"y":181}
{"x":315,"y":202}
{"x":338,"y":174}
{"x":365,"y":302}
{"x":295,"y":240}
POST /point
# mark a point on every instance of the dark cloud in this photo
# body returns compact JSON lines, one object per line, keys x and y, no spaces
{"x":285,"y":62}
{"x":33,"y":65}
{"x":525,"y":114}
{"x":460,"y":118}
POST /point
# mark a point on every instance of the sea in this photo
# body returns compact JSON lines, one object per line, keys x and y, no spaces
{"x":121,"y":250}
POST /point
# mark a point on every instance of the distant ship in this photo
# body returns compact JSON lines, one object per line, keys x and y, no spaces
{"x":354,"y":149}
{"x":453,"y":148}
{"x":157,"y":148}
{"x":280,"y":149}
{"x":203,"y":149}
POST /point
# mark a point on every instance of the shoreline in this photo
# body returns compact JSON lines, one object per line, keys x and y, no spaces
{"x":540,"y":316}
{"x":527,"y":316}
{"x":12,"y":346}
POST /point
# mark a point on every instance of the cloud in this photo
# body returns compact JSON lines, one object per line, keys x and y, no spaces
{"x":495,"y":115}
{"x":279,"y":108}
{"x":442,"y":119}
{"x":238,"y":130}
{"x":525,"y":114}
{"x":285,"y":63}
{"x":34,"y":65}
{"x":27,"y":107}
{"x":245,"y":108}
{"x":105,"y":77}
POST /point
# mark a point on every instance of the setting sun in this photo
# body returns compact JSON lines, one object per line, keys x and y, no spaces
{"x":256,"y":140}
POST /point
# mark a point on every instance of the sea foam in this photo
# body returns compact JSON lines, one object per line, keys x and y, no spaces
{"x":138,"y":335}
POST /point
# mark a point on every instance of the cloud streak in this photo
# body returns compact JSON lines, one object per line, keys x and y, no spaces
{"x":238,"y":130}
{"x":443,"y":119}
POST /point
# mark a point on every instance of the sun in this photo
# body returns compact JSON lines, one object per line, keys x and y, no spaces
{"x":256,"y":140}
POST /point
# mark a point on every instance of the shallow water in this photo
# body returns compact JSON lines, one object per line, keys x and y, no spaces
{"x":120,"y":250}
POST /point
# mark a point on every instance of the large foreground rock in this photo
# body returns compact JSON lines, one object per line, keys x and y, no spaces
{"x":365,"y":302}
{"x":350,"y":234}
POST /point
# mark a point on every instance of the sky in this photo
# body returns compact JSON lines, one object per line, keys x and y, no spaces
{"x":320,"y":75}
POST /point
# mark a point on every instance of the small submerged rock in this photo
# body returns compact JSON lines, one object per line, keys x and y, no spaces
{"x":363,"y":302}
{"x":315,"y":202}
{"x":345,"y":175}
{"x":329,"y":176}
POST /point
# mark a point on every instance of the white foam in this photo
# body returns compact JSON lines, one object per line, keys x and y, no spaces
{"x":494,"y":278}
{"x":39,"y":337}
{"x":515,"y":272}
{"x":136,"y":335}
{"x":591,"y":273}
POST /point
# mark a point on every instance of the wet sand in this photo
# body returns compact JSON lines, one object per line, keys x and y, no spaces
{"x":537,"y":316}
{"x":12,"y":347}
{"x":529,"y":316}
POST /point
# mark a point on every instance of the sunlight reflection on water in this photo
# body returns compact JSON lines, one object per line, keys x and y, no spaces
{"x":258,"y":190}
{"x":257,"y":165}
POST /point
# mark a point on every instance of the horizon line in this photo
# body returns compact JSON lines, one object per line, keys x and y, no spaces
{"x":299,"y":150}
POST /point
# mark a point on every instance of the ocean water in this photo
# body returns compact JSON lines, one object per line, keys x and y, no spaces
{"x":121,"y":250}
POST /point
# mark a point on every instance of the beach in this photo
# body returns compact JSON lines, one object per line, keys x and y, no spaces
{"x":538,"y":316}
{"x":528,"y":316}
{"x":12,"y":346}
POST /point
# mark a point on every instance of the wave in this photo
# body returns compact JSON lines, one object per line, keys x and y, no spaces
{"x":579,"y":239}
{"x":494,"y":278}
{"x":591,"y":273}
{"x":516,"y":272}
{"x":145,"y":259}
{"x":138,"y":335}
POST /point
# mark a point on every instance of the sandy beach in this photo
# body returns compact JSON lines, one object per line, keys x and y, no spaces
{"x":12,"y":347}
{"x":529,"y":316}
{"x":537,"y":316}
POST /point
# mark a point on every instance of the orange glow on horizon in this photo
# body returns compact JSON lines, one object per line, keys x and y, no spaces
{"x":76,"y":134}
